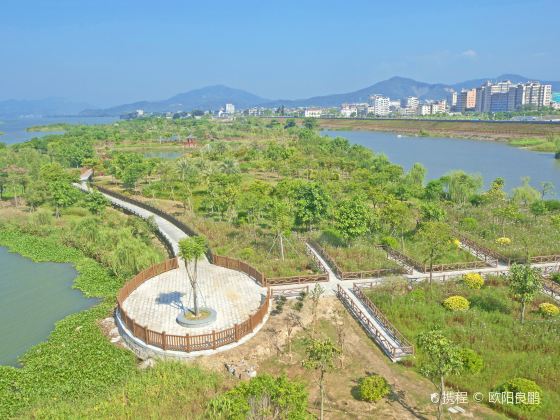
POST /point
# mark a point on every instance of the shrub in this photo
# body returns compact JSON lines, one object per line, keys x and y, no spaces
{"x":469,"y":223}
{"x":260,"y":396}
{"x":473,"y":280}
{"x":524,"y":387}
{"x":373,"y":388}
{"x":390,"y":242}
{"x":503,"y":241}
{"x":555,"y":278}
{"x":472,"y":361}
{"x":549,"y":310}
{"x":456,"y":243}
{"x":417,"y":295}
{"x":456,"y":303}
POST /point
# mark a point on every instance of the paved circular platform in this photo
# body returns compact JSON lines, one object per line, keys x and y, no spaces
{"x":157,"y":302}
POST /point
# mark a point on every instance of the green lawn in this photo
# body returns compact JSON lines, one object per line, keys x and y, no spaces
{"x":491,"y":328}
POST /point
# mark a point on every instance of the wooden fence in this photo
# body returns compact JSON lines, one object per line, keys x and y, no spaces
{"x":186,"y":343}
{"x":394,"y":351}
{"x":436,"y":268}
{"x":404,"y":344}
{"x":353,"y":275}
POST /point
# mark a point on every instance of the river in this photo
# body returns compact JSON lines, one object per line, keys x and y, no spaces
{"x":15,"y":131}
{"x":440,"y":155}
{"x":33,"y":296}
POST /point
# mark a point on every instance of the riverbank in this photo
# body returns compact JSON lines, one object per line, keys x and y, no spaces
{"x":478,"y":130}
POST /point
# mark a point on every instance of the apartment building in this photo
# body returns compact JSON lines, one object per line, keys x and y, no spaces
{"x":379,"y":105}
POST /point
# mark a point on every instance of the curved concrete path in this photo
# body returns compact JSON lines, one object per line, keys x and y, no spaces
{"x":158,"y":301}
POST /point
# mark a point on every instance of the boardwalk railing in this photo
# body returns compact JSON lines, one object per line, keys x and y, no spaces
{"x":353,"y":275}
{"x":394,"y":352}
{"x":436,"y":268}
{"x":404,"y":344}
{"x":186,"y":343}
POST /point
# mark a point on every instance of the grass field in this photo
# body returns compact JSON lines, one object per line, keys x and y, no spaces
{"x":491,"y":328}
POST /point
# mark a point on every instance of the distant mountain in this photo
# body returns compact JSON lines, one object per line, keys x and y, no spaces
{"x":515,"y":78}
{"x":210,"y":97}
{"x":215,"y":97}
{"x":395,"y":87}
{"x":13,"y":108}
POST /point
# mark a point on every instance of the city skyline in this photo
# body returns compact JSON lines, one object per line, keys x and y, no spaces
{"x":107,"y":55}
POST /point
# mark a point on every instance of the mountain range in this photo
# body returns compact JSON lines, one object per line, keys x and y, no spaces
{"x":215,"y":97}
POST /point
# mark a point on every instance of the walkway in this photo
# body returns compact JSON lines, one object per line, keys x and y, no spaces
{"x":156,"y":303}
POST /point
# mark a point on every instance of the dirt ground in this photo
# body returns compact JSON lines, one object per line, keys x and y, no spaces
{"x":267,"y":353}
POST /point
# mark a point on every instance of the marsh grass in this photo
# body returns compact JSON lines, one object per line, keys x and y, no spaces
{"x":490,"y":327}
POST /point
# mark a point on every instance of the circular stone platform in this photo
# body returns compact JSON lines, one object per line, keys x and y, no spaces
{"x":157,"y":302}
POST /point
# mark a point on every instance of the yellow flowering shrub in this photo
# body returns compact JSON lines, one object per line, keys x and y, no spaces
{"x":503,"y":241}
{"x":473,"y":280}
{"x":549,"y":310}
{"x":456,"y":243}
{"x":456,"y":304}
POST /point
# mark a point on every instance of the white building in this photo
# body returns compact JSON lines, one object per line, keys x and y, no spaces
{"x":230,"y":109}
{"x":410,"y":102}
{"x":379,"y":105}
{"x":348,"y":110}
{"x":507,"y":96}
{"x":313,"y":113}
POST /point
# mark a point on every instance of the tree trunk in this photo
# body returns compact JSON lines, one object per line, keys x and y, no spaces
{"x":440,"y":402}
{"x":195,"y":287}
{"x":322,"y":388}
{"x":282,"y":246}
{"x":523,"y":311}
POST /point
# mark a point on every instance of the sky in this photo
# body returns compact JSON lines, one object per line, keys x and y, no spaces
{"x":112,"y":52}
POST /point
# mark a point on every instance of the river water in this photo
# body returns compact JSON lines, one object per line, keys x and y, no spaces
{"x":440,"y":155}
{"x":33,"y":296}
{"x":15,"y":130}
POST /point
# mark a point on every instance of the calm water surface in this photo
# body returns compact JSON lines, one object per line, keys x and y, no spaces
{"x":33,"y":296}
{"x":15,"y":130}
{"x":441,"y":155}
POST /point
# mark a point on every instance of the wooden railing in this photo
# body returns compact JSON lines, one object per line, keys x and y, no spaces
{"x":481,"y":249}
{"x":436,"y":268}
{"x":404,"y":344}
{"x":404,"y":260}
{"x":363,"y":318}
{"x":545,"y":259}
{"x":235,"y":264}
{"x":290,"y":291}
{"x":186,"y":343}
{"x":353,"y":275}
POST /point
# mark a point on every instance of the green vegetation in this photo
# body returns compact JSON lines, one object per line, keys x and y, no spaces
{"x":48,"y":128}
{"x":490,"y":328}
{"x":373,"y":388}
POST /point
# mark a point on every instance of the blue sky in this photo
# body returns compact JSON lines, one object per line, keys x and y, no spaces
{"x":110,"y":52}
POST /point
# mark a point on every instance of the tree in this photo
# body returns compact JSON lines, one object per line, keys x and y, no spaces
{"x":442,"y":358}
{"x":191,"y":249}
{"x":320,"y":356}
{"x":399,"y":217}
{"x":62,"y":195}
{"x":310,"y":123}
{"x":281,"y":221}
{"x":352,"y":218}
{"x":95,"y":202}
{"x":525,"y":194}
{"x":461,"y":186}
{"x":310,"y":202}
{"x":315,"y":296}
{"x":524,"y":283}
{"x":435,"y":238}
